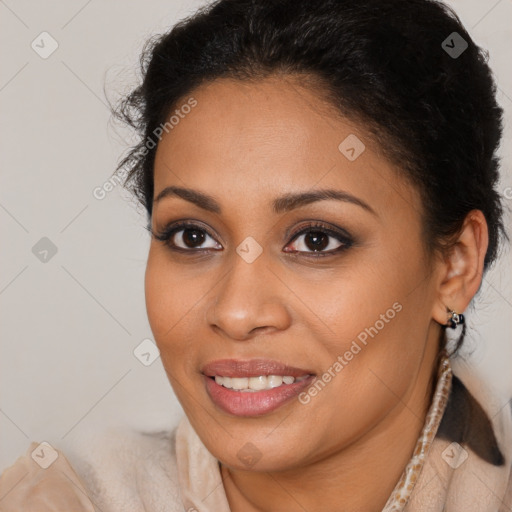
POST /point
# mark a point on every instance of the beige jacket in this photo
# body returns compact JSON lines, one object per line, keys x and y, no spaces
{"x":461,"y":463}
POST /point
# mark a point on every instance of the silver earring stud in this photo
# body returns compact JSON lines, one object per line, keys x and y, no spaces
{"x":454,"y":318}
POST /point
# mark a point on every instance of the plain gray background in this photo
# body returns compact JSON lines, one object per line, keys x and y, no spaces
{"x":70,"y":321}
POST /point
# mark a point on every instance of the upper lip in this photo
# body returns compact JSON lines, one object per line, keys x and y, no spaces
{"x":251,"y":368}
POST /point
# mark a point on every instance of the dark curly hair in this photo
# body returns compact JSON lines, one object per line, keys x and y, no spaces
{"x":394,"y":66}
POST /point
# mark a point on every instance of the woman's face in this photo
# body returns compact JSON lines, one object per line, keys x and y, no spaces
{"x":347,"y":305}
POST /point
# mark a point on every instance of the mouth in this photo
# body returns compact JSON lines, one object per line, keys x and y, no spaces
{"x":257,"y":383}
{"x":254,"y":387}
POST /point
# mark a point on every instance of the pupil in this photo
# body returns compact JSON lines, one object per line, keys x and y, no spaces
{"x":316,"y":240}
{"x":193,"y":237}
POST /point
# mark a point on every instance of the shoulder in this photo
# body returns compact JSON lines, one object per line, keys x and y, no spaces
{"x":477,"y":427}
{"x":42,"y":479}
{"x":112,"y":470}
{"x":129,"y":470}
{"x":482,"y":422}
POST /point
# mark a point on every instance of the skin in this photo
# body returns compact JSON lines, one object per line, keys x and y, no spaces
{"x":246,"y":144}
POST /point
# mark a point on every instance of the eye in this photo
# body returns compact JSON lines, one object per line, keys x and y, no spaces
{"x":320,"y":240}
{"x":186,"y":236}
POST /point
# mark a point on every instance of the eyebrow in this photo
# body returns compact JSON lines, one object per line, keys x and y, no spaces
{"x":281,"y":204}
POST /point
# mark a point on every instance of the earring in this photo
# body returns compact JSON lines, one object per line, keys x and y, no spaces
{"x":454,"y":319}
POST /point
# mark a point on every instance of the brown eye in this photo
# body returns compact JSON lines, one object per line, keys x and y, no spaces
{"x":315,"y":240}
{"x":191,"y":238}
{"x":319,"y":239}
{"x":187,"y":237}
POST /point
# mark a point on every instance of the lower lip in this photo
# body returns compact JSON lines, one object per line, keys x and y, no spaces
{"x":253,"y":403}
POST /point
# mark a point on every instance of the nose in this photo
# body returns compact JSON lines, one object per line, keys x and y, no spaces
{"x":250,"y":300}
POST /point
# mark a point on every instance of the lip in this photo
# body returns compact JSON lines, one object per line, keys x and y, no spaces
{"x":252,"y":403}
{"x":251,"y":368}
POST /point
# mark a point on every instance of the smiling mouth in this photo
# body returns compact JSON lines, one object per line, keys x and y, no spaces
{"x":257,"y":383}
{"x":242,"y":401}
{"x":253,"y":387}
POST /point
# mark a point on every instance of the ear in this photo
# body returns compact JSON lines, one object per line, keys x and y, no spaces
{"x":462,"y":268}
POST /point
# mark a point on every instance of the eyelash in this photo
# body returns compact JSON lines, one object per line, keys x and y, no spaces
{"x":167,"y":233}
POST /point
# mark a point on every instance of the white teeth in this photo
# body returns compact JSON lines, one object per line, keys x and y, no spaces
{"x":262,"y":382}
{"x":221,"y":380}
{"x":239,"y":383}
{"x":258,"y":383}
{"x":274,"y":381}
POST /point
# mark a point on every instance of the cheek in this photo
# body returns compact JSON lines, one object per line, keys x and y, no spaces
{"x":160,"y":300}
{"x":360,"y":295}
{"x":170,"y":295}
{"x":378,"y":318}
{"x":171,"y":304}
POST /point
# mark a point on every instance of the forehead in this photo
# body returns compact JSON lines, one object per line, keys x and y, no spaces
{"x":260,"y":139}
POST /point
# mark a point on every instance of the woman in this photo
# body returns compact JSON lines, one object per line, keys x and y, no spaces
{"x":319,"y":179}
